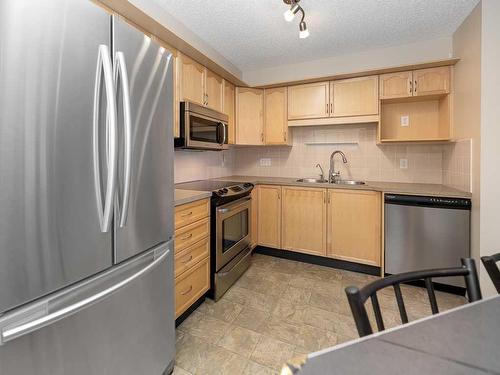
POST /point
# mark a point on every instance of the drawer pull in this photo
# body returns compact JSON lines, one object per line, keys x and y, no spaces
{"x":187,"y":237}
{"x":188,"y":260}
{"x":187,"y":291}
{"x":184,"y":214}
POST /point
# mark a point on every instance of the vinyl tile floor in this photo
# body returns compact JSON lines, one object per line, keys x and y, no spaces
{"x":280,"y":309}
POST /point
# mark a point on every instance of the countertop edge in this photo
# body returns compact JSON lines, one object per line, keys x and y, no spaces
{"x":182,"y":196}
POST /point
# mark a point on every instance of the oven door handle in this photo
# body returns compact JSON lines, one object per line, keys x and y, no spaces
{"x":233,"y":207}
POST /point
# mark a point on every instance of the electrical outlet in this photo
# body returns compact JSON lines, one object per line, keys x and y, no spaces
{"x":265,"y":162}
{"x":403,"y":163}
{"x":405,"y":120}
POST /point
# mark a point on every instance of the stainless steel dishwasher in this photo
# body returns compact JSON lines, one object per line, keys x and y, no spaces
{"x":426,"y":232}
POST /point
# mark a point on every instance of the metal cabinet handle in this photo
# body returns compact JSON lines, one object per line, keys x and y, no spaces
{"x":185,"y":214}
{"x":415,"y":86}
{"x":104,"y":66}
{"x":26,"y":320}
{"x":411,"y":86}
{"x":187,"y":260}
{"x":327,"y":108}
{"x":187,"y":237}
{"x":121,"y":73}
{"x":187,"y":291}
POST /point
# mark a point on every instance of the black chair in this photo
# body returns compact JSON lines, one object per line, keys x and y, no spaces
{"x":357,"y":297}
{"x":490,"y":263}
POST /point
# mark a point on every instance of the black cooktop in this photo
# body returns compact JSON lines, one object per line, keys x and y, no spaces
{"x":206,"y":185}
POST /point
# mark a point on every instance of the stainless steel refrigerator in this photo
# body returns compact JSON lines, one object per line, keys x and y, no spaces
{"x":86,"y":193}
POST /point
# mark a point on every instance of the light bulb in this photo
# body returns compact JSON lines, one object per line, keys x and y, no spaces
{"x":290,"y":13}
{"x":304,"y":33}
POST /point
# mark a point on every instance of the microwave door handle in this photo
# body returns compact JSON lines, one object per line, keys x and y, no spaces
{"x":224,"y":133}
{"x":220,"y":137}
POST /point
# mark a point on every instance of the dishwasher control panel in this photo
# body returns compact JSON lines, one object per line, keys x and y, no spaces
{"x":425,"y":201}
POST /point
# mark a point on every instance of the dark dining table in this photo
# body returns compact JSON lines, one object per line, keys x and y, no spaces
{"x":464,"y":340}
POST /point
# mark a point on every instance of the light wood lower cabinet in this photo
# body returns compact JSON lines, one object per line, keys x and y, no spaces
{"x":304,"y":220}
{"x":254,"y":219}
{"x":191,"y":285}
{"x":192,"y":253}
{"x":269,"y":207}
{"x":354,"y":226}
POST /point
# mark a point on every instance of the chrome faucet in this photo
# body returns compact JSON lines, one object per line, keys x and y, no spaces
{"x":322,"y":174}
{"x":332,"y":175}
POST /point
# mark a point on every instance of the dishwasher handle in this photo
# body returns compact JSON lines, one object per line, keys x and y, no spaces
{"x":427,"y":201}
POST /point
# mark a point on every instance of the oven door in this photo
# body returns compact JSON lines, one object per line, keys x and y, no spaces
{"x":202,"y":132}
{"x":232,"y":230}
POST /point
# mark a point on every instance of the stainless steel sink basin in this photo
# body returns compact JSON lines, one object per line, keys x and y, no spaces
{"x":312,"y":180}
{"x":349,"y":182}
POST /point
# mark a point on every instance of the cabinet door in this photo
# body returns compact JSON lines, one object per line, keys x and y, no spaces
{"x":191,"y":80}
{"x":354,"y":97}
{"x":249,"y":116}
{"x":396,"y":85}
{"x":354,"y":226}
{"x":309,"y":101}
{"x":255,"y":217}
{"x":304,"y":220}
{"x":228,"y":109}
{"x":432,"y":81}
{"x":269,"y":216}
{"x":213,"y":90}
{"x":275,"y":118}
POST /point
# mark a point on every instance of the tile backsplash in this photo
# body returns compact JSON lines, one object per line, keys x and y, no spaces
{"x":200,"y":165}
{"x":366,"y":159}
{"x":447,"y":164}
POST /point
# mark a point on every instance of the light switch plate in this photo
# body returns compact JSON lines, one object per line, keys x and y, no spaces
{"x":265,"y":162}
{"x":405,"y":120}
{"x":403,"y":163}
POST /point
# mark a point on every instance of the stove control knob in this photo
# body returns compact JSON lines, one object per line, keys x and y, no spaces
{"x":221,"y":192}
{"x":225,"y":190}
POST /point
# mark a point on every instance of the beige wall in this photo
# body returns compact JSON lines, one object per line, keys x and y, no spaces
{"x":467,"y":106}
{"x":423,"y":51}
{"x":490,"y":134}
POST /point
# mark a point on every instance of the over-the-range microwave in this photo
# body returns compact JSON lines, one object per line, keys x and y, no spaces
{"x":201,"y":128}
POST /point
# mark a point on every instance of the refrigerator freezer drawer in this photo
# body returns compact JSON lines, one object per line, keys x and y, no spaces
{"x":129,"y":332}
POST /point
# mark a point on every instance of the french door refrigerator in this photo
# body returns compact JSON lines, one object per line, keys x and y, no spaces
{"x":86,"y":193}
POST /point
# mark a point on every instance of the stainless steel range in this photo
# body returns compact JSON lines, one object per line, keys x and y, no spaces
{"x":231,"y":209}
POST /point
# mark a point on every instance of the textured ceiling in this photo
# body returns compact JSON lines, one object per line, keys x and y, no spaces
{"x":252,"y":34}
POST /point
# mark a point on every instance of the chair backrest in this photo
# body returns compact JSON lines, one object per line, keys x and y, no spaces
{"x":490,"y":263}
{"x":357,"y":297}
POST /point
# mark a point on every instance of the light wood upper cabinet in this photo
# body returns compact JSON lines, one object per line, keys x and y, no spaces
{"x":396,"y":85}
{"x":269,"y":216}
{"x":249,"y":116}
{"x":213,"y":90}
{"x":304,"y":220}
{"x":432,"y":81}
{"x":191,"y":80}
{"x":275,"y":116}
{"x":354,"y":96}
{"x":354,"y":226}
{"x":228,"y":108}
{"x":310,"y":100}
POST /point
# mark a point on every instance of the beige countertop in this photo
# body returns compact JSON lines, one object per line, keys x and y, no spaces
{"x":436,"y":190}
{"x":182,"y":196}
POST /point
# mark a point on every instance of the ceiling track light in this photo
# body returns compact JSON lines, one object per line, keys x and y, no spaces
{"x":290,"y":15}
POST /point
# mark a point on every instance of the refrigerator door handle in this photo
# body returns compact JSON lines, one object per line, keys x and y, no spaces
{"x":68,"y":302}
{"x":121,"y":73}
{"x":104,"y":65}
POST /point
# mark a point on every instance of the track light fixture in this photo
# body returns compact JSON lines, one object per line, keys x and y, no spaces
{"x":290,"y":15}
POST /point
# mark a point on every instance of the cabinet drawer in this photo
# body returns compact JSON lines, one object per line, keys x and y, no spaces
{"x":190,"y":286}
{"x":192,"y":255}
{"x":190,"y":234}
{"x":191,"y":212}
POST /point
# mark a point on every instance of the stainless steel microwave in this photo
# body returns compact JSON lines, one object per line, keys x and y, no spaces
{"x":201,"y":128}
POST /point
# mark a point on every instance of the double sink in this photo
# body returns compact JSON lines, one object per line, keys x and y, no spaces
{"x":323,"y":181}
